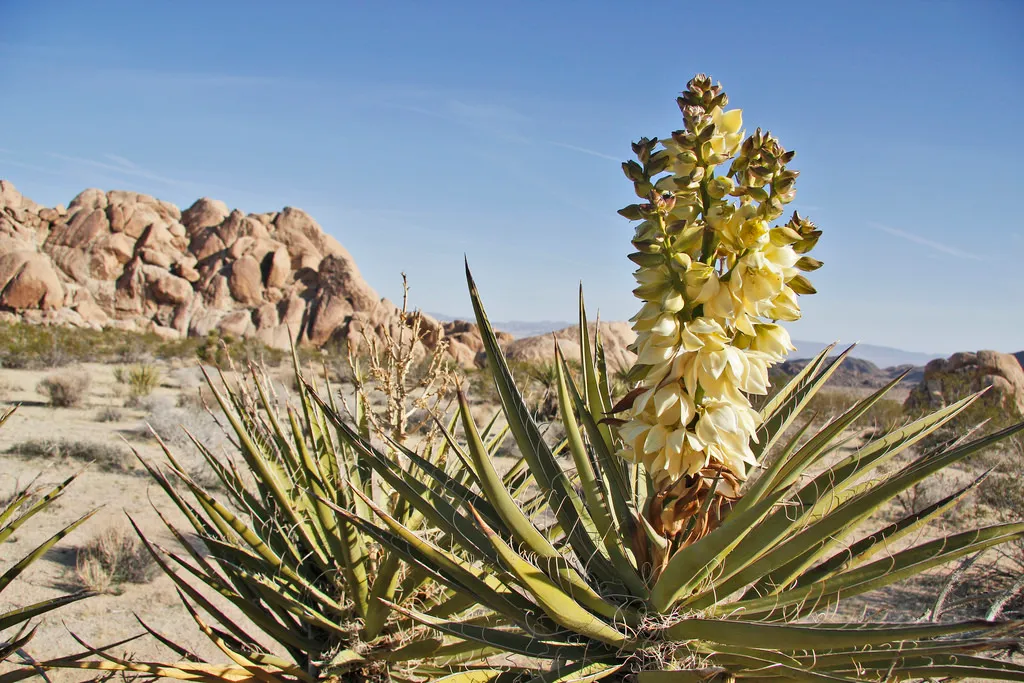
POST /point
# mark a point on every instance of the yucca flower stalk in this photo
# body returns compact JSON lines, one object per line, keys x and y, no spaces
{"x":715,"y":277}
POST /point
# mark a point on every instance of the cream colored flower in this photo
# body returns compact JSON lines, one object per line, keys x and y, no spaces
{"x":716,"y":282}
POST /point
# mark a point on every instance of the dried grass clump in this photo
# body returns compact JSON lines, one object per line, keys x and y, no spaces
{"x":66,"y":389}
{"x":109,"y":414}
{"x":141,"y":379}
{"x":114,"y":557}
{"x":106,"y":457}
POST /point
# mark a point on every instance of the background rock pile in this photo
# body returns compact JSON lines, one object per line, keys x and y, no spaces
{"x":130,"y":261}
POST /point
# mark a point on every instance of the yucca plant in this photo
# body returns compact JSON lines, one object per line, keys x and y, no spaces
{"x":316,"y":591}
{"x":694,"y":538}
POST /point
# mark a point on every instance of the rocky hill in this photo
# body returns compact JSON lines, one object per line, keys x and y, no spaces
{"x":128,"y":260}
{"x":857,"y":372}
{"x":947,"y":380}
{"x":615,"y":337}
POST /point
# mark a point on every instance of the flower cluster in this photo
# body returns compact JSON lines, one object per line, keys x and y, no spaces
{"x":715,"y":276}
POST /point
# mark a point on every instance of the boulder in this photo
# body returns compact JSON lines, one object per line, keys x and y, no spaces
{"x":84,"y":228}
{"x":278,"y":268}
{"x":236,"y":324}
{"x":948,"y":380}
{"x":10,"y":197}
{"x":88,"y":199}
{"x":169,"y":289}
{"x":155,"y":258}
{"x":246,"y":281}
{"x":205,"y":213}
{"x":615,"y":337}
{"x":27,"y":281}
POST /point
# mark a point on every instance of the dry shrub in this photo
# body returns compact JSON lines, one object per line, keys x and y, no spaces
{"x":414,"y":383}
{"x":8,"y":387}
{"x":141,"y":379}
{"x":109,"y":414}
{"x":114,"y":557}
{"x":106,"y":457}
{"x":66,"y":389}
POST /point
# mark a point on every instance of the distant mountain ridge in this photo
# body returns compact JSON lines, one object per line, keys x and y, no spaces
{"x":517,"y":328}
{"x":881,"y":356}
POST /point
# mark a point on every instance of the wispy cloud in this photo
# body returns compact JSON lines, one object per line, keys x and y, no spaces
{"x":924,"y":241}
{"x":161,"y":78}
{"x":122,"y":168}
{"x":124,"y":163}
{"x":120,"y":165}
{"x":584,"y":150}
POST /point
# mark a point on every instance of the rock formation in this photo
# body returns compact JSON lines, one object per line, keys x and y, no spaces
{"x":615,"y":337}
{"x":134,"y":262}
{"x":947,"y":380}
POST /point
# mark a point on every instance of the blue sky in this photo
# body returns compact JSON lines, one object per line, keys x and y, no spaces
{"x":419,"y":132}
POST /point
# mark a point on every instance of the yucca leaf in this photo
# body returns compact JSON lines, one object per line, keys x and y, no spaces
{"x":798,"y":383}
{"x":832,"y":527}
{"x":932,"y":670}
{"x":252,"y":661}
{"x":616,"y":488}
{"x":464,"y":574}
{"x":582,"y":671}
{"x":18,"y":567}
{"x":21,"y":614}
{"x":563,"y":500}
{"x":38,"y":506}
{"x":515,"y":520}
{"x":560,"y":606}
{"x":701,"y":675}
{"x":259,"y":616}
{"x":72,"y":661}
{"x":436,"y":508}
{"x":591,"y":381}
{"x":779,"y":414}
{"x":793,"y":638}
{"x":879,"y":452}
{"x":593,"y":490}
{"x":477,"y":676}
{"x":451,"y":572}
{"x":865,"y":548}
{"x":179,"y":650}
{"x":528,"y":645}
{"x":420,"y":648}
{"x":823,"y":490}
{"x":778,"y":527}
{"x":794,"y":466}
{"x":906,"y":653}
{"x":898,"y":566}
{"x":267,"y":473}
